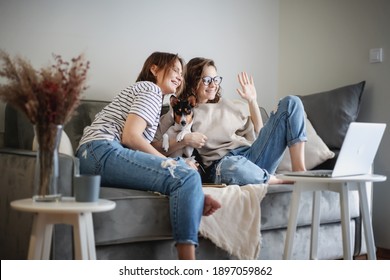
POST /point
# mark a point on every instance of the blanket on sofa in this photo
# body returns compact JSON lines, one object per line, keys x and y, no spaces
{"x":236,"y":226}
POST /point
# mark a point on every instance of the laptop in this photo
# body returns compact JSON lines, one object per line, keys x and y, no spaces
{"x":357,"y":152}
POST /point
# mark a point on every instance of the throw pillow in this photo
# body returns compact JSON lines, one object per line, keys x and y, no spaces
{"x":316,"y":151}
{"x":332,"y":111}
{"x":64,"y":148}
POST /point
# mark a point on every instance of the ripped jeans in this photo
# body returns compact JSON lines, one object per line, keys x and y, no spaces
{"x":125,"y":168}
{"x":254,"y":164}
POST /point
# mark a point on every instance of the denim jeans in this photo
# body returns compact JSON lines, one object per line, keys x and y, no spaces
{"x":125,"y":168}
{"x":254,"y":164}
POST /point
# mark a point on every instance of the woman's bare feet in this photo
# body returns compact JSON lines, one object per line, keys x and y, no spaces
{"x":210,"y":205}
{"x":275,"y":181}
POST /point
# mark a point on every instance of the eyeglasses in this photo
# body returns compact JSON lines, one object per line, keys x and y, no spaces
{"x":207,"y":80}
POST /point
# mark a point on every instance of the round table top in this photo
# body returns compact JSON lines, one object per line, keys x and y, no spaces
{"x":355,"y":178}
{"x":65,"y":205}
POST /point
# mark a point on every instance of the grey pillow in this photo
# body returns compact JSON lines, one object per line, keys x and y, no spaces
{"x":331,"y":112}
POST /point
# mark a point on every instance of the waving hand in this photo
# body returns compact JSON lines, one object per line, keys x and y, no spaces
{"x":248,"y":90}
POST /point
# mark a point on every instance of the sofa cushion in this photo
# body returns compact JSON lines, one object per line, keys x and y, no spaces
{"x":65,"y":146}
{"x":316,"y":152}
{"x":84,"y":115}
{"x":18,"y":130}
{"x":138,"y":216}
{"x":332,"y":111}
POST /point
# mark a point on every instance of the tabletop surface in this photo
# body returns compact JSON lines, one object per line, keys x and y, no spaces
{"x":65,"y":205}
{"x":355,"y":178}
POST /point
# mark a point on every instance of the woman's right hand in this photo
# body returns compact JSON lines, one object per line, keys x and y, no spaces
{"x":195,"y":139}
{"x":248,"y":89}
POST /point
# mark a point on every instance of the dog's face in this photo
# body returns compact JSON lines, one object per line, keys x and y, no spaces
{"x":182,"y":110}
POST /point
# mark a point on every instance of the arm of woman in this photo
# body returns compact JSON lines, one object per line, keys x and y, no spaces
{"x":132,"y":136}
{"x":257,"y":120}
{"x":193,"y":139}
{"x":248,"y":92}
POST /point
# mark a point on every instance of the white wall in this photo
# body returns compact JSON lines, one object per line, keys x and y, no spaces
{"x":118,"y":35}
{"x":325,"y":44}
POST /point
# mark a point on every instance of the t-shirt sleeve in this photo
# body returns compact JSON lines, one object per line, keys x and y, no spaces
{"x":147,"y":104}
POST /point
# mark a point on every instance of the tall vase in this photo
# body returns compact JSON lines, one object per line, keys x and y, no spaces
{"x":47,"y":165}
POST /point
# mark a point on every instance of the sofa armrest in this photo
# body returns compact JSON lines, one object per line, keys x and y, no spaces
{"x":18,"y":168}
{"x":17,"y":182}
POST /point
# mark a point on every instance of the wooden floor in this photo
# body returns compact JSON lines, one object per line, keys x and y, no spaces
{"x":381,"y":254}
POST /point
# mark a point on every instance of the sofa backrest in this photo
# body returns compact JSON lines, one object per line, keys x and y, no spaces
{"x":86,"y":112}
{"x":19,"y":132}
{"x":84,"y":115}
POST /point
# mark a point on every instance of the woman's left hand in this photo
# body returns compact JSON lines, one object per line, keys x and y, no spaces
{"x":248,"y":89}
{"x":191,"y":162}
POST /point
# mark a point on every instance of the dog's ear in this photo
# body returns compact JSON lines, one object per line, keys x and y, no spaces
{"x":173,"y":100}
{"x":192,"y":100}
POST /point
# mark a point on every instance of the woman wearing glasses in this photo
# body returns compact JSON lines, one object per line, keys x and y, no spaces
{"x":234,"y":145}
{"x":117,"y":146}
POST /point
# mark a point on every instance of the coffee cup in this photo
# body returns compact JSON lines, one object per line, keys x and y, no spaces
{"x":86,"y":188}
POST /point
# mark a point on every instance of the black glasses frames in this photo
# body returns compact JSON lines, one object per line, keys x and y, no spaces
{"x":207,"y":80}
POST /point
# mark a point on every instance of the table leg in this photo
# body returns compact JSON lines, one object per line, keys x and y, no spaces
{"x":47,"y":240}
{"x":40,"y":239}
{"x":80,"y":237}
{"x":315,"y":225}
{"x":36,"y":240}
{"x":345,"y":221}
{"x":292,"y":222}
{"x":367,"y":225}
{"x":90,"y":236}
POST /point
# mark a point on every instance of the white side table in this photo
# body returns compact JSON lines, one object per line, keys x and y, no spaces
{"x":342,"y":185}
{"x":66,"y":211}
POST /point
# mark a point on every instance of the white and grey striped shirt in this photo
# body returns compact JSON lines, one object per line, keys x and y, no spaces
{"x":142,"y":98}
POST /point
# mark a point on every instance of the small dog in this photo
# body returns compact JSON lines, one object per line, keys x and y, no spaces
{"x":183,"y":113}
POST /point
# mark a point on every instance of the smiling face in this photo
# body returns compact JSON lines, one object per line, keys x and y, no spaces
{"x":169,"y":79}
{"x":204,"y":92}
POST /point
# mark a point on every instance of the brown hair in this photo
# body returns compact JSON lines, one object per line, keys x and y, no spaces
{"x":193,"y":75}
{"x":163,"y":61}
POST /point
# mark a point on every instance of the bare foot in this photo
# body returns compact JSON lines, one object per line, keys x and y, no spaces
{"x":275,"y":181}
{"x":210,"y":205}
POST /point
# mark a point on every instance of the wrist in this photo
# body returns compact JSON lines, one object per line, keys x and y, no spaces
{"x":185,"y":140}
{"x":252,"y":101}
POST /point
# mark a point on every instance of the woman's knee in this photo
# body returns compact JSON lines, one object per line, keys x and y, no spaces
{"x":291,"y":102}
{"x":240,"y":170}
{"x":192,"y":182}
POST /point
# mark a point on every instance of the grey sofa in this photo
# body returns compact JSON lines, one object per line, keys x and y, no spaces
{"x":139,"y":226}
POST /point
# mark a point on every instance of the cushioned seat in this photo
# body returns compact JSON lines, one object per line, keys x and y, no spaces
{"x":148,"y":211}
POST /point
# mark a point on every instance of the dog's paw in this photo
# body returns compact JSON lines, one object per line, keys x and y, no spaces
{"x":165,"y":143}
{"x":180,"y":136}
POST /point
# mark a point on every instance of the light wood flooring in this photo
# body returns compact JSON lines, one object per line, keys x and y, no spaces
{"x":381,"y":254}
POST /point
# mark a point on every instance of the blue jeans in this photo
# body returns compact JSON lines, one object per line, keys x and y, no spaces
{"x":254,"y":164}
{"x":125,"y":168}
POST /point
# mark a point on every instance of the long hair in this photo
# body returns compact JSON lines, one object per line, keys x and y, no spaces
{"x":164,"y":61}
{"x":193,"y":75}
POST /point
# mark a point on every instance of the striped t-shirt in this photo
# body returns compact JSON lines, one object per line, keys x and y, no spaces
{"x":142,"y":98}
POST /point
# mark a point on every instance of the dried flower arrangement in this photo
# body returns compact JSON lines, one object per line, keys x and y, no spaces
{"x":48,"y":97}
